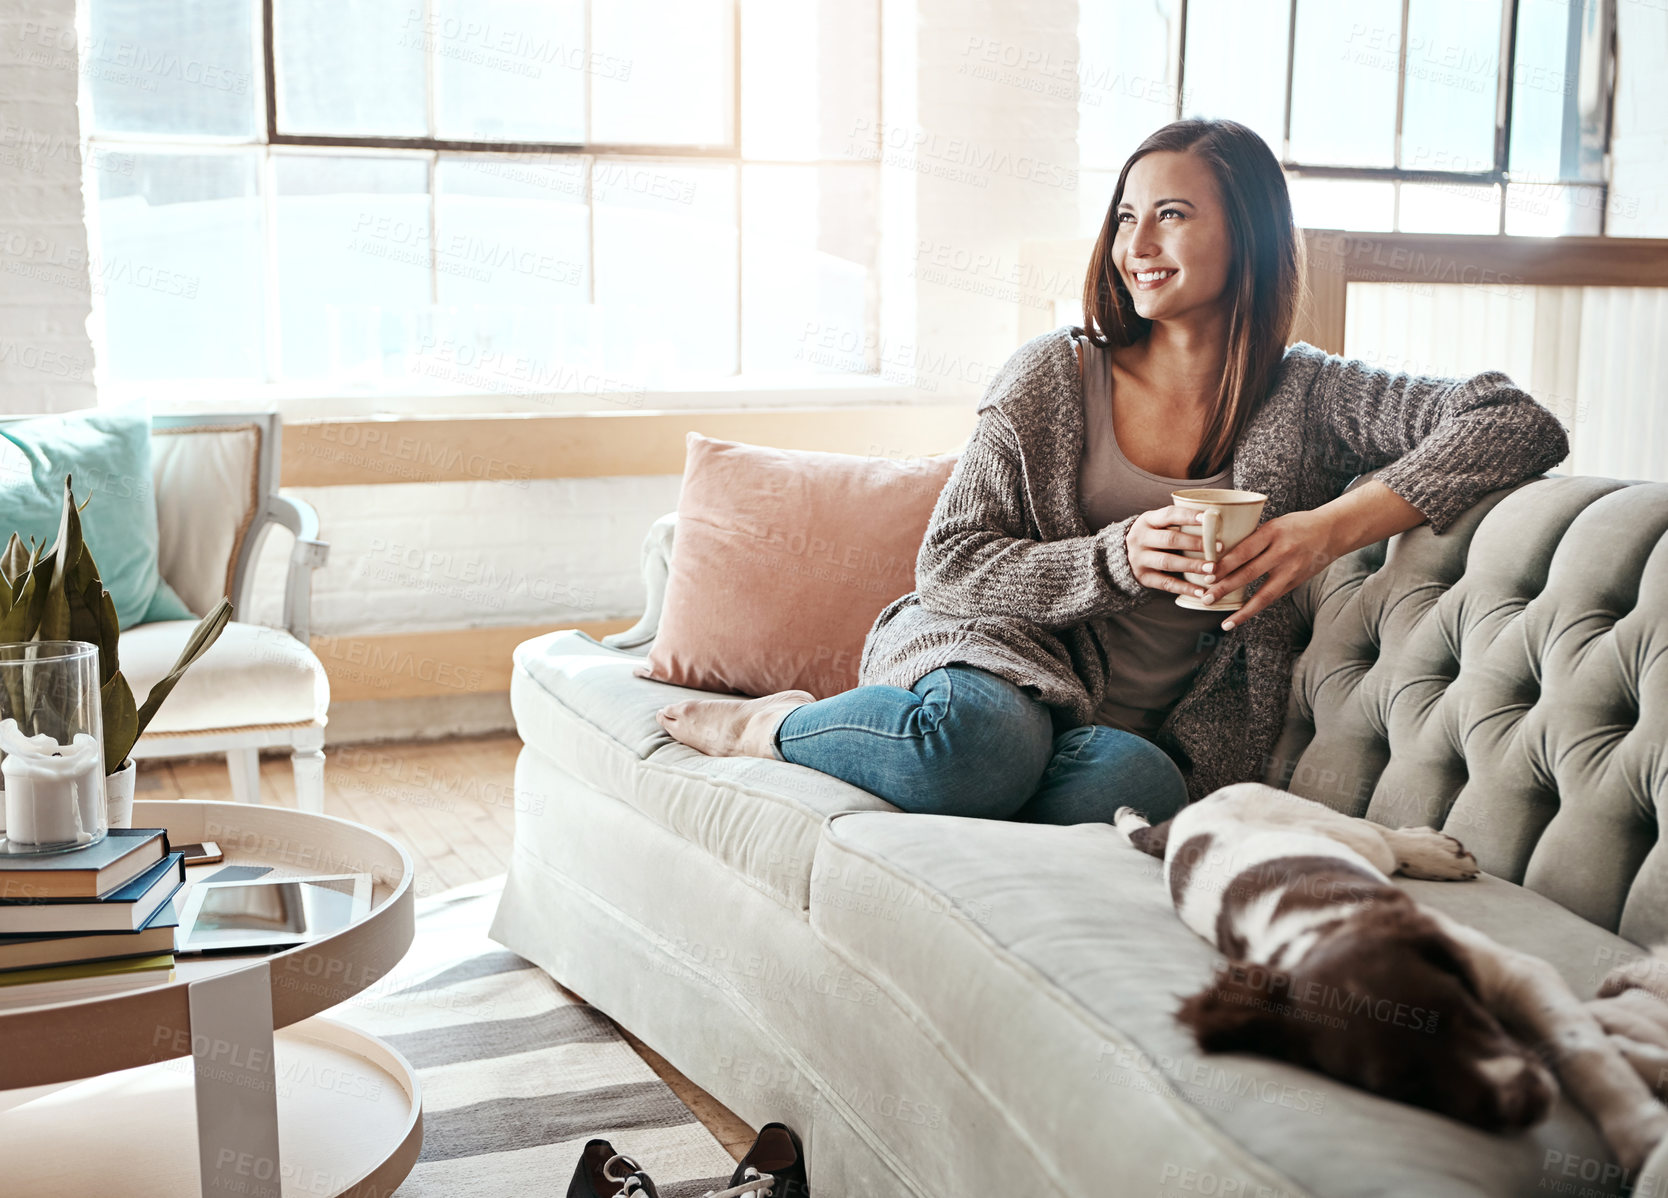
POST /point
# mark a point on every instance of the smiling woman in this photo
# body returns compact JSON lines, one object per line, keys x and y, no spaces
{"x":1030,"y":675}
{"x":1205,"y":202}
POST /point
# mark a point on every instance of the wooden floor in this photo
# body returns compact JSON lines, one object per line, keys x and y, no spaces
{"x":451,"y":803}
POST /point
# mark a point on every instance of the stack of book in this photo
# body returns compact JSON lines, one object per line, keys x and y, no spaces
{"x":105,"y":912}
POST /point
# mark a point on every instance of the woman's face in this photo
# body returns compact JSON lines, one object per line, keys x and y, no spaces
{"x":1172,"y":245}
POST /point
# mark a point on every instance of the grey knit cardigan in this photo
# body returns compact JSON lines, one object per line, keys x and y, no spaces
{"x":1011,"y":579}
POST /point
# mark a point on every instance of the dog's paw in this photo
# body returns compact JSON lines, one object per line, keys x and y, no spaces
{"x":1436,"y":856}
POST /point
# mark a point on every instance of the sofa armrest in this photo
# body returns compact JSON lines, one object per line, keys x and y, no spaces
{"x":308,"y":555}
{"x":656,"y":559}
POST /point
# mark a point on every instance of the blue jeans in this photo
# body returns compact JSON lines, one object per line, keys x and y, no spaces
{"x":962,"y":741}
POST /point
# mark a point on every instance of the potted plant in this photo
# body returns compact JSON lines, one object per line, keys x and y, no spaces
{"x":56,"y":595}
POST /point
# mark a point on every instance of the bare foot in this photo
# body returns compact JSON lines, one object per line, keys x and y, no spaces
{"x":731,"y":727}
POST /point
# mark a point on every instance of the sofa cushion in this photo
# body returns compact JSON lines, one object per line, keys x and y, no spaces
{"x":107,"y":453}
{"x":252,"y":675}
{"x":783,"y":560}
{"x":578,"y":702}
{"x":1048,"y":963}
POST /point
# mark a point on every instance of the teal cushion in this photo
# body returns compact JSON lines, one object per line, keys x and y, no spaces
{"x":107,"y":453}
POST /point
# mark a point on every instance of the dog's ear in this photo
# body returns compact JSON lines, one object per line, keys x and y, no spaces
{"x":1152,"y":840}
{"x":1439,"y":949}
{"x":1243,"y":1010}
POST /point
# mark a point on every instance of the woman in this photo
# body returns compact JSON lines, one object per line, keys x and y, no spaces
{"x":1041,"y":670}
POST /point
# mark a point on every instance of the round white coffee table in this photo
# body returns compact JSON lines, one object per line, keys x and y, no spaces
{"x":177,"y":1103}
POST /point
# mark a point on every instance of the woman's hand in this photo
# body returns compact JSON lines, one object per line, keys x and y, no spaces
{"x":1287,"y":549}
{"x":1155,"y":548}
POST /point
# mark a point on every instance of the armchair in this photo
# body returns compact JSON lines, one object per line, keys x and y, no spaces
{"x":216,"y":481}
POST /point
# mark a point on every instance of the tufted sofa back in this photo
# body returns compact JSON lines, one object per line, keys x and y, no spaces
{"x":1506,"y":681}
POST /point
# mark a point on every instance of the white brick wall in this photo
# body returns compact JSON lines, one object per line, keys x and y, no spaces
{"x":46,"y":358}
{"x":972,"y":166}
{"x":405,"y":557}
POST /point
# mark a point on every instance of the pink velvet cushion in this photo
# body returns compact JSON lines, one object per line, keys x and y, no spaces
{"x":782,"y":560}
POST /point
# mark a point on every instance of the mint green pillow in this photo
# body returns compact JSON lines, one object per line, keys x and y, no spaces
{"x":107,"y":453}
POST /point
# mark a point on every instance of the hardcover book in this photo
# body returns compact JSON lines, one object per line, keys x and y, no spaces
{"x":88,"y":873}
{"x":124,"y":910}
{"x":34,"y":952}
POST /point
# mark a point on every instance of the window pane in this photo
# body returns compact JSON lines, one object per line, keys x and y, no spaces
{"x":1344,"y":82}
{"x":1557,"y":105}
{"x":512,"y":266}
{"x":1223,"y":37}
{"x":807,"y":267}
{"x":511,"y":70}
{"x":512,"y":231}
{"x":352,"y":69}
{"x":1453,"y":73}
{"x":1449,"y":208}
{"x":1361,"y":205}
{"x":172,"y":66}
{"x":353,"y":261}
{"x":1549,"y":210}
{"x":810,"y":77}
{"x":179,"y":265}
{"x":1126,"y":78}
{"x":674,"y":72}
{"x":665,"y":246}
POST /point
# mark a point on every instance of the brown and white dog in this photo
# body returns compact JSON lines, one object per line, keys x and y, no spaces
{"x":1333,"y":967}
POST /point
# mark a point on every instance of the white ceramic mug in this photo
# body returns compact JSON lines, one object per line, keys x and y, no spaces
{"x":1224,"y":515}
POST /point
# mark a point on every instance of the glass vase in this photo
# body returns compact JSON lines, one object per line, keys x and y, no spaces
{"x":51,"y":747}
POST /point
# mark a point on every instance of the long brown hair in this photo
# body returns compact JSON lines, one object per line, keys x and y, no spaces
{"x":1264,"y":280}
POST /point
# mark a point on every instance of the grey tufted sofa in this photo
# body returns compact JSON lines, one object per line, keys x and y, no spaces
{"x":950,"y":1008}
{"x":1508,"y":682}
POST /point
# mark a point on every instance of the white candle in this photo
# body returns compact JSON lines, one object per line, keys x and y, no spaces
{"x":53,"y":791}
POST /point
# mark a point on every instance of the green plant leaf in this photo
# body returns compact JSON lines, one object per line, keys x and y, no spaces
{"x":18,"y":584}
{"x":20,"y":619}
{"x":66,"y":552}
{"x":33,"y":597}
{"x":208,"y":631}
{"x":121,"y":722}
{"x":14,"y":563}
{"x":96,"y":623}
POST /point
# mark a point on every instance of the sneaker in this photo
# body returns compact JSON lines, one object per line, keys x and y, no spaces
{"x":773,"y":1168}
{"x":604,"y":1173}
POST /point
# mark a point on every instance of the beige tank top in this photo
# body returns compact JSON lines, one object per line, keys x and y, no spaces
{"x":1156,"y":648}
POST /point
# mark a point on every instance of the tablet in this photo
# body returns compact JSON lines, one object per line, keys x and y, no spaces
{"x":270,"y":912}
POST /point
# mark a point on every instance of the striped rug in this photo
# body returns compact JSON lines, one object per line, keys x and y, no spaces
{"x":516,"y":1075}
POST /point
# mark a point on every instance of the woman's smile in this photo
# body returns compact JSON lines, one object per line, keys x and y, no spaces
{"x":1151,"y":280}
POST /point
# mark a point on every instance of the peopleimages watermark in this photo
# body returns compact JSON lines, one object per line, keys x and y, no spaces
{"x":838,"y":347}
{"x":1445,"y":63}
{"x":504,"y":47}
{"x":124,"y":62}
{"x":957,"y":159}
{"x":1311,"y":1001}
{"x":462,"y":254}
{"x":465,"y":363}
{"x":1571,"y":1173}
{"x":25,"y":148}
{"x":404,"y":455}
{"x":1208,"y":1084}
{"x":1040,"y":71}
{"x":45,"y":359}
